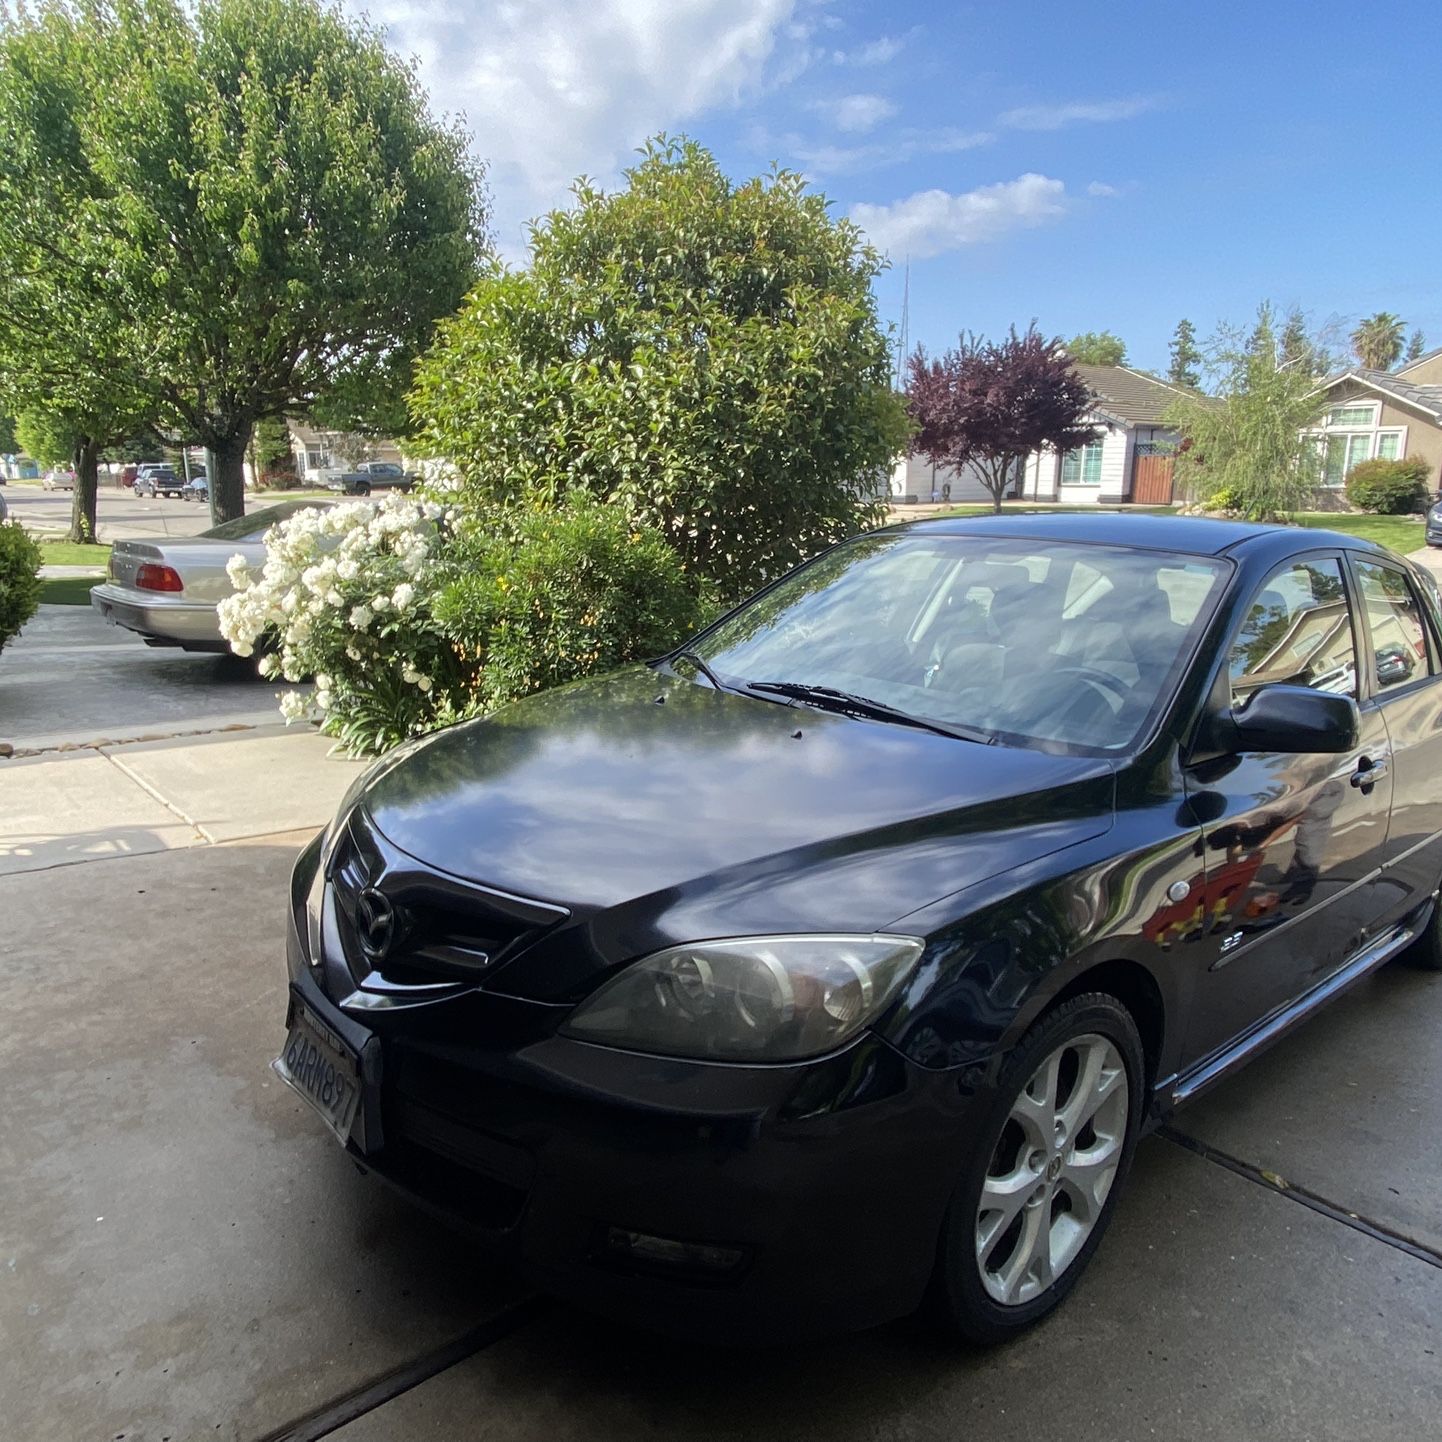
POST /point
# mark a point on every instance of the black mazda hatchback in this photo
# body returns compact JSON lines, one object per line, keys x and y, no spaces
{"x":836,"y":961}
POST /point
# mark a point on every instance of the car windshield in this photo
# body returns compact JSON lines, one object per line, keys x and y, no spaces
{"x":253,"y":526}
{"x":1054,"y":645}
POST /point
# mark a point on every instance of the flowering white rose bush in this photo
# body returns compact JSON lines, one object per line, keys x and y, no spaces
{"x":408,"y":616}
{"x":345,"y":597}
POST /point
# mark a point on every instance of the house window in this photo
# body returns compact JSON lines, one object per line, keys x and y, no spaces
{"x":316,"y":458}
{"x":1350,"y":435}
{"x":1083,"y":467}
{"x":1363,"y":415}
{"x":1344,"y":452}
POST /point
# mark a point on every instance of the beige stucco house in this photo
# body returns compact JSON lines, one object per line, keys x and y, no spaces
{"x":1390,"y":414}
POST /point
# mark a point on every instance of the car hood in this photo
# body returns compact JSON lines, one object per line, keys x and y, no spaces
{"x":679,"y":812}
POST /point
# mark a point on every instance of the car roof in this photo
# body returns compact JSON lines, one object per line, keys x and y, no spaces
{"x":1190,"y":535}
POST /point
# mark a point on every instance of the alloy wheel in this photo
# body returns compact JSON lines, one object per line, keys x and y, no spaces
{"x":1051,"y":1169}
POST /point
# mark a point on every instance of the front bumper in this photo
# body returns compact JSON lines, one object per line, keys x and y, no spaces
{"x":828,"y":1178}
{"x":172,"y":623}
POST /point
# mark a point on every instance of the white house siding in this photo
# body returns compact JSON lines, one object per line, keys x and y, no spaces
{"x":1043,"y":471}
{"x":916,"y":476}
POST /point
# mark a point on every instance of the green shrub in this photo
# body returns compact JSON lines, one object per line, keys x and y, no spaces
{"x":1389,"y":488}
{"x":548,"y":596}
{"x":19,"y":580}
{"x":1225,"y":498}
{"x":705,"y":354}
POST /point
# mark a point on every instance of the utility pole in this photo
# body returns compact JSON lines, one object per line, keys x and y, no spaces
{"x":903,"y":339}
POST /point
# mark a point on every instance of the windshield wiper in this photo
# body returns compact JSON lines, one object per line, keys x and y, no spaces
{"x":828,"y":698}
{"x":702,"y":667}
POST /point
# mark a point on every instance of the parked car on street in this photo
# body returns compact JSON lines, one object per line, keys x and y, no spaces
{"x":837,"y":960}
{"x":197,"y":488}
{"x":158,"y":481}
{"x":374,"y":476}
{"x":167,"y":589}
{"x":61,"y":478}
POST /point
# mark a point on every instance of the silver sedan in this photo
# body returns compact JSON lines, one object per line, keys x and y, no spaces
{"x":167,"y":590}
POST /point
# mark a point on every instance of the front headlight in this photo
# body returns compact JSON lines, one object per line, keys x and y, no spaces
{"x":757,"y":998}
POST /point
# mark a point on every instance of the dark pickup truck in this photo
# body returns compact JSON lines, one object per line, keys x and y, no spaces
{"x":374,"y":476}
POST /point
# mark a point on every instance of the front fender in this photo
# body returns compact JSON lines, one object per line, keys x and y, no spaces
{"x":1001,"y":952}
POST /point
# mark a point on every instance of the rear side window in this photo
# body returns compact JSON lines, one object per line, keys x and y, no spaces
{"x":1298,"y":630}
{"x":1400,"y":651}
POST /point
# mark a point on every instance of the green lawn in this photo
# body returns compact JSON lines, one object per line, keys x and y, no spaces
{"x":70,"y":553}
{"x":66,"y":590}
{"x":1397,"y":533}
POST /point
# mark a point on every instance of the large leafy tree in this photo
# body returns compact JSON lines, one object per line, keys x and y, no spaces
{"x":703,"y":353}
{"x":228,"y":212}
{"x":1185,"y":368}
{"x":1097,"y":348}
{"x":1377,"y":340}
{"x":1248,"y":439}
{"x":1299,"y":347}
{"x":990,"y":404}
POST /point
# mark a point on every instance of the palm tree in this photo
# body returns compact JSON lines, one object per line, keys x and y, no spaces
{"x":1378,"y":340}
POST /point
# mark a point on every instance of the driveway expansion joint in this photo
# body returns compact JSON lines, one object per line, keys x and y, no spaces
{"x":1314,"y":1201}
{"x":366,"y":1398}
{"x":156,"y":795}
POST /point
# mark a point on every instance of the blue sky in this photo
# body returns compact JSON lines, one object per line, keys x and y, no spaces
{"x":1104,"y":167}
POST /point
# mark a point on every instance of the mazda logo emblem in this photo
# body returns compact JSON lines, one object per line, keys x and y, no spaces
{"x":375,"y":921}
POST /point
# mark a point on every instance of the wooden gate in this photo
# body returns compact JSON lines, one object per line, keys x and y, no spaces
{"x":1152,"y":480}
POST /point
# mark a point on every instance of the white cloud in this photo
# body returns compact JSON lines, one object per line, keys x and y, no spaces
{"x":856,"y":114}
{"x":874,"y":52}
{"x":552,"y":89}
{"x":933,"y":221}
{"x":1102,"y":189}
{"x":1058,"y":117}
{"x":848,"y":159}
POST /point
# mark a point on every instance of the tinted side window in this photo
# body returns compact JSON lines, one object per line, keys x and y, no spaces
{"x":1395,"y":624}
{"x":1299,"y":631}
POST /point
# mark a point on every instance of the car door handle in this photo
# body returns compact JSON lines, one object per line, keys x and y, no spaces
{"x":1369,"y":772}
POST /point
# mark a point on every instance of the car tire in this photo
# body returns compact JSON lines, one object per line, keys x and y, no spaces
{"x":1425,"y":953}
{"x":362,"y":488}
{"x":1069,"y":1153}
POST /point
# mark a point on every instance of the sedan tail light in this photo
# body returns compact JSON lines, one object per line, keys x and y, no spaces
{"x":158,"y":578}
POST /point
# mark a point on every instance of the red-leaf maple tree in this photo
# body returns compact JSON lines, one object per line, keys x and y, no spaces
{"x":989,"y":404}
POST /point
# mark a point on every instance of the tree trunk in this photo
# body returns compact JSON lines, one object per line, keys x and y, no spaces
{"x":227,"y":477}
{"x":86,"y":457}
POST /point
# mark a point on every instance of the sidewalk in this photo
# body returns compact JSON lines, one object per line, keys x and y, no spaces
{"x":136,"y":799}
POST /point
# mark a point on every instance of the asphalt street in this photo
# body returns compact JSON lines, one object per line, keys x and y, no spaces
{"x":120,"y":514}
{"x":185,"y":1252}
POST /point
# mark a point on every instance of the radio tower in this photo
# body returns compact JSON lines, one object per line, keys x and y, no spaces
{"x":903,"y":340}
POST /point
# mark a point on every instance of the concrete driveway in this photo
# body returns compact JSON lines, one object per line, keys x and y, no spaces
{"x":185,"y":1253}
{"x":71,"y":678}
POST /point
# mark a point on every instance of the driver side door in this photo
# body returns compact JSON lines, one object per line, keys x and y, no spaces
{"x":1293,"y":844}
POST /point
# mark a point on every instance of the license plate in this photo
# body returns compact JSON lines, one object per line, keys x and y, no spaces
{"x":322,"y":1069}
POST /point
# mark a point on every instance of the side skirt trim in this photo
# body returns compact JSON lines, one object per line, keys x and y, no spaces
{"x":1373,"y":955}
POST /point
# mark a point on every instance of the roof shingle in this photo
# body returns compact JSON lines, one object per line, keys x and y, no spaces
{"x":1133,"y":396}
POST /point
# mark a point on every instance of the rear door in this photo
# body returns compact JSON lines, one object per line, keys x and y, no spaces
{"x":1404,"y":680}
{"x":1294,"y":844}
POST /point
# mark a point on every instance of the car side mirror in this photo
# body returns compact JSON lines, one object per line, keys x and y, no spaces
{"x":1292,"y":719}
